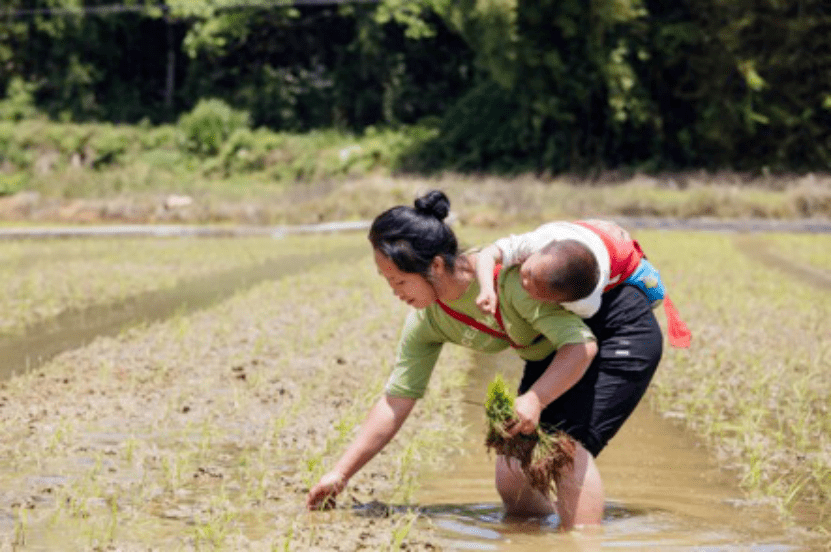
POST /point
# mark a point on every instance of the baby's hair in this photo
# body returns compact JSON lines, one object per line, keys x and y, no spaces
{"x":413,"y":237}
{"x":575,"y":272}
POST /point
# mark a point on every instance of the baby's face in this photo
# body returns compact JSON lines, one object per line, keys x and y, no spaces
{"x":534,"y":273}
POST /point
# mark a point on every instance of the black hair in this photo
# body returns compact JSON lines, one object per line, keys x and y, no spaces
{"x":576,"y":273}
{"x":413,"y":237}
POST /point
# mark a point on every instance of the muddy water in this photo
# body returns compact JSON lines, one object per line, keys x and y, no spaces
{"x":663,"y":493}
{"x":76,"y":328}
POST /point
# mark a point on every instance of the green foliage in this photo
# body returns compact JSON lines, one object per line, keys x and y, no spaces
{"x":484,"y":129}
{"x":19,"y":102}
{"x":163,"y":136}
{"x":246,"y":150}
{"x":109,"y":147}
{"x":550,"y":86}
{"x":13,"y":183}
{"x":646,"y":83}
{"x":410,"y":14}
{"x":209,"y":125}
{"x":12,"y":153}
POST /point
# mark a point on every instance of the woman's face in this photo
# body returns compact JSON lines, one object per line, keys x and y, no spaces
{"x":411,"y":288}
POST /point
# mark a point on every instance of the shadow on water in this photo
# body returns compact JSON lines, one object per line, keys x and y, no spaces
{"x":75,"y":328}
{"x":664,"y":492}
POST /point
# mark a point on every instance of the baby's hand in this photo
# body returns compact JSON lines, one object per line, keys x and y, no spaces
{"x":486,"y":301}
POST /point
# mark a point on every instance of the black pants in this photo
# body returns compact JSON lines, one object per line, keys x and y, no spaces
{"x":629,"y":350}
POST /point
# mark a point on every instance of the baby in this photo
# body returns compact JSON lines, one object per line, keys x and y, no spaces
{"x":573,"y":264}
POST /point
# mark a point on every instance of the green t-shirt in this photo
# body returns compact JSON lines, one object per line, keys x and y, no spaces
{"x":525,"y":319}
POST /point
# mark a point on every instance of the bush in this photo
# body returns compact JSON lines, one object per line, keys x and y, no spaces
{"x":13,"y":183}
{"x":108,"y":147}
{"x":19,"y":103}
{"x":247,"y":151}
{"x":209,"y":125}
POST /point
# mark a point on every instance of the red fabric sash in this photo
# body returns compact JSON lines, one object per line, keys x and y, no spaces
{"x":625,"y":254}
{"x":470,"y":321}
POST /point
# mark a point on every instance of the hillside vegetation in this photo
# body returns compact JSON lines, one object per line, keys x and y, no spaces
{"x":213,"y":167}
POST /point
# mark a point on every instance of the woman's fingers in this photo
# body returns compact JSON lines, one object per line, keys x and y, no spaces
{"x":321,"y":499}
{"x":322,"y":495}
{"x":516,"y":426}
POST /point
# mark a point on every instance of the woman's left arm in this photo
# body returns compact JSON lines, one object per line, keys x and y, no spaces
{"x":566,"y":369}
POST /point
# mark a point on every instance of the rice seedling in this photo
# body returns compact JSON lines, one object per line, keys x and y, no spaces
{"x":100,"y":531}
{"x":542,"y":455}
{"x":404,"y":474}
{"x":402,"y":530}
{"x":20,"y":528}
{"x":287,"y":539}
{"x":174,"y":466}
{"x":212,"y":533}
{"x":314,"y":469}
{"x":61,"y":435}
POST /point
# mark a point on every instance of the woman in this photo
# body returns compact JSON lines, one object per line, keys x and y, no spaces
{"x":561,"y":387}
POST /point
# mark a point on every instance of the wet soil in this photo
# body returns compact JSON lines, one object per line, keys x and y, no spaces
{"x":205,"y":430}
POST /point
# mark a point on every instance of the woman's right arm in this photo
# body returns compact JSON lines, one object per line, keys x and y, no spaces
{"x":382,"y":423}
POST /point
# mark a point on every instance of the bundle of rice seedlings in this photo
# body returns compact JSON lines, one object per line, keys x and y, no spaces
{"x":541,"y":455}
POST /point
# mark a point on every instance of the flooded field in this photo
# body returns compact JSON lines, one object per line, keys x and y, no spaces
{"x":192,"y":412}
{"x":664,"y":493}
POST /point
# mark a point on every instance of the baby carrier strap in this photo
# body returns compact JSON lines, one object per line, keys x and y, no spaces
{"x":625,"y":255}
{"x":470,"y":321}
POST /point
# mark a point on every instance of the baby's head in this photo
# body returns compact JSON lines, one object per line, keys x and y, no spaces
{"x":563,"y":271}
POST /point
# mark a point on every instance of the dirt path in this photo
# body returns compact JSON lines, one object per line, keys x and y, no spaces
{"x":150,"y":230}
{"x":758,"y":249}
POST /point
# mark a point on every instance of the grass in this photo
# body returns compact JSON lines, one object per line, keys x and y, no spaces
{"x":813,"y":252}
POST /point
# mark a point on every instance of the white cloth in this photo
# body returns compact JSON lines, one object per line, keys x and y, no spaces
{"x":516,"y":248}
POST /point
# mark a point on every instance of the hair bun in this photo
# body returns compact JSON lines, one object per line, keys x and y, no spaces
{"x":435,"y":203}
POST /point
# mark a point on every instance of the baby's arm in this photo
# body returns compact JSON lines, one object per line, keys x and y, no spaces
{"x":485,"y":263}
{"x":510,"y":250}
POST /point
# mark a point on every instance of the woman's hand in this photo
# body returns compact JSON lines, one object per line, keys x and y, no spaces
{"x":528,"y":409}
{"x":322,"y":495}
{"x":381,"y":424}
